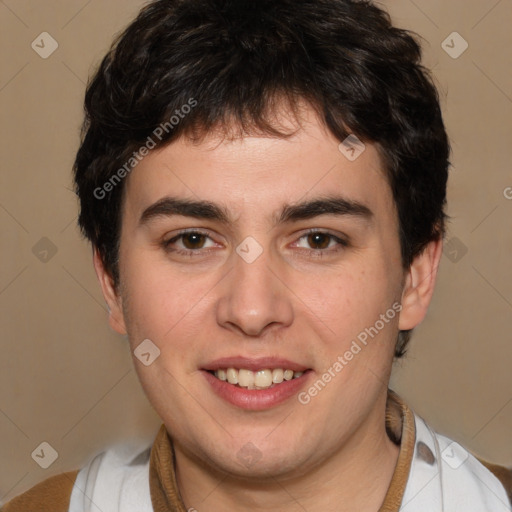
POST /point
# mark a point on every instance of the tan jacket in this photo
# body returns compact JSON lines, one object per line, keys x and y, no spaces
{"x":53,"y":494}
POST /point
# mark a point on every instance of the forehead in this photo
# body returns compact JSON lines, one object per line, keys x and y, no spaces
{"x":257,"y":175}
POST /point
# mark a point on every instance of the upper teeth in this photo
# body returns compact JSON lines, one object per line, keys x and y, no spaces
{"x":260,"y":379}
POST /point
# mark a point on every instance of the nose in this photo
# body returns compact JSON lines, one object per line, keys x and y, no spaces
{"x":254,"y":298}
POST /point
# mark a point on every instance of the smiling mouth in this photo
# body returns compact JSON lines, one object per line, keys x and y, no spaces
{"x":260,"y":379}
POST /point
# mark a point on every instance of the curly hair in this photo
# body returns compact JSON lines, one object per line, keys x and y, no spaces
{"x":232,"y":62}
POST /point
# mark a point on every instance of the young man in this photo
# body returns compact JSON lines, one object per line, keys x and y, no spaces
{"x":263,"y":184}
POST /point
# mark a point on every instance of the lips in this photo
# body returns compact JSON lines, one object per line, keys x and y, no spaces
{"x":263,"y":363}
{"x":243,"y":382}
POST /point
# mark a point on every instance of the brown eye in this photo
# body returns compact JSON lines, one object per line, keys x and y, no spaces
{"x":319,"y":240}
{"x":189,"y":243}
{"x":193,"y":240}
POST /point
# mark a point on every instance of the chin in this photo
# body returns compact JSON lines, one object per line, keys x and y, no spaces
{"x":251,"y":461}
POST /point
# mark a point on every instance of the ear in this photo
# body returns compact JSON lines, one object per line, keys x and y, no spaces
{"x":419,"y":285}
{"x":110,"y":294}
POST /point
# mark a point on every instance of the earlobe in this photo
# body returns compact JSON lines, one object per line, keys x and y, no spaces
{"x":110,"y":294}
{"x":419,"y":285}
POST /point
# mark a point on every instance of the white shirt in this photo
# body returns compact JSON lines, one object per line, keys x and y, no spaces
{"x":443,"y":477}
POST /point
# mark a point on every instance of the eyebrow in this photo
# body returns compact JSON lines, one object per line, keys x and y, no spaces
{"x":169,"y":206}
{"x":330,"y":205}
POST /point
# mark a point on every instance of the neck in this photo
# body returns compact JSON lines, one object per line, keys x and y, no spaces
{"x":355,"y":477}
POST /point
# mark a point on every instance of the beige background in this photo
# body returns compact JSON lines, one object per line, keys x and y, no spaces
{"x":66,"y":379}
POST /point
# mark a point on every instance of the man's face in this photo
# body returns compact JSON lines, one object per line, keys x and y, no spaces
{"x":261,"y":282}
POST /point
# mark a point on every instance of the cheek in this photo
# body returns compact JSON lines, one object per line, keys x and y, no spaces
{"x":158,"y":302}
{"x":347,"y":300}
{"x":348,"y":309}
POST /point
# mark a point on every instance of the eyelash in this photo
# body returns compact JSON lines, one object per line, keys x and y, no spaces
{"x":318,"y":253}
{"x":188,"y":252}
